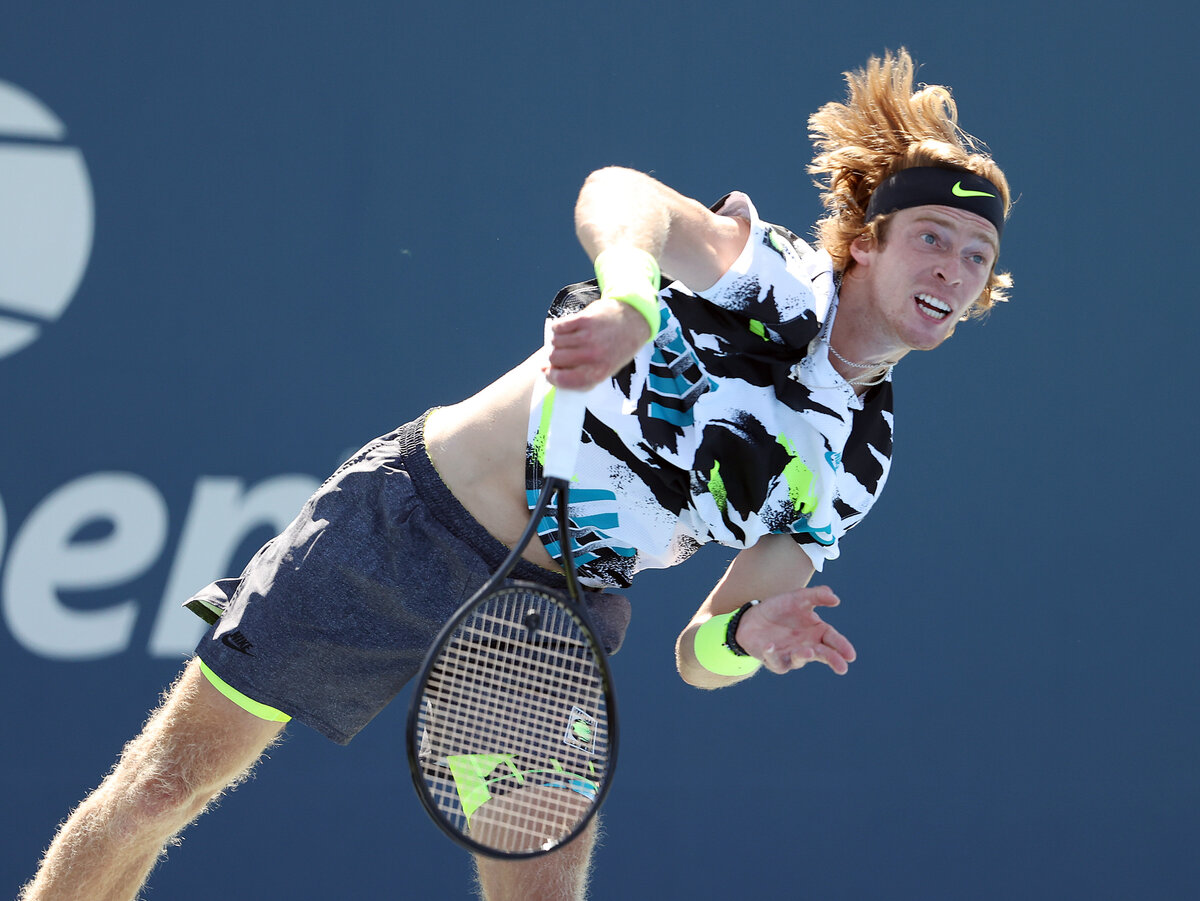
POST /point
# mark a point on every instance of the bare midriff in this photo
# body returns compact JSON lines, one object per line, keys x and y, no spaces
{"x":478,"y":448}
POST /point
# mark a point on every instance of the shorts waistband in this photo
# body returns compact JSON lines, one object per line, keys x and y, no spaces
{"x":410,"y":441}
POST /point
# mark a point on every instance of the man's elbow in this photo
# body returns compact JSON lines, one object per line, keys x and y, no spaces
{"x":695,"y":675}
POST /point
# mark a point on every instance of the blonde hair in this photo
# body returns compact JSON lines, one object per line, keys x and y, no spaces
{"x":883,"y":127}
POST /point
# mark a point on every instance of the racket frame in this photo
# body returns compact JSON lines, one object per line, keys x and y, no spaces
{"x":557,"y":487}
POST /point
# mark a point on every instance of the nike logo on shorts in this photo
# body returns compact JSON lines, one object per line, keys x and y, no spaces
{"x":238,"y":642}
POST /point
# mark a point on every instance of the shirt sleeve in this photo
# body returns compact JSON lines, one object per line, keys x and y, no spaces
{"x":779,"y":284}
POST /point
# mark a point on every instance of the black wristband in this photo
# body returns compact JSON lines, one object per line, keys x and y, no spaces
{"x":731,"y":630}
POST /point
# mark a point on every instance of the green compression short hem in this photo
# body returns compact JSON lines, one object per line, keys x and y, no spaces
{"x":262,"y":711}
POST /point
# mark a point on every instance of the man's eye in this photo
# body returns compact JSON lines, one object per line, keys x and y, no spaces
{"x":929,"y":238}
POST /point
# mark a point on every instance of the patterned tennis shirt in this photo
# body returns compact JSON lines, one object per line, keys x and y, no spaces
{"x":731,"y":425}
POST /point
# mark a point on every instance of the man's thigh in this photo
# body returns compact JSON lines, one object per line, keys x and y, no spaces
{"x":199,"y":737}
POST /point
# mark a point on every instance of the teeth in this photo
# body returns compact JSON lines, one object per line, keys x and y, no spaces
{"x":936,"y":308}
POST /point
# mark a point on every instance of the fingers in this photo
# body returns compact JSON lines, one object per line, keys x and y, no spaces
{"x":804,"y":598}
{"x":833,"y":650}
{"x":589,"y":346}
{"x":840,"y":645}
{"x":795,"y":635}
{"x":577,"y":359}
{"x":820,"y":596}
{"x":574,"y":376}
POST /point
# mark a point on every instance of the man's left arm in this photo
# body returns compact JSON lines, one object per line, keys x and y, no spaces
{"x":783,"y":631}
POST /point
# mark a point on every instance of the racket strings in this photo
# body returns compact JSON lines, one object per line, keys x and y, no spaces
{"x":521,"y":771}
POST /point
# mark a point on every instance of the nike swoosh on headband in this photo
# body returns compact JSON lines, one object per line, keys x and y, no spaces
{"x":934,"y":185}
{"x":959,"y":191}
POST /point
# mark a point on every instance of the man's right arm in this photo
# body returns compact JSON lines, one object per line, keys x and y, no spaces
{"x":622,"y":208}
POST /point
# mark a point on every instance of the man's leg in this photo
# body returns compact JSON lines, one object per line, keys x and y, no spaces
{"x":559,"y":876}
{"x":193,"y":747}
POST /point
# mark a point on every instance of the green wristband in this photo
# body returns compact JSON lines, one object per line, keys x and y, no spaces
{"x":714,"y":654}
{"x":631,"y":276}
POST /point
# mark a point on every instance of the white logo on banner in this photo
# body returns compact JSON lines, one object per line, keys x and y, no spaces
{"x":49,"y":560}
{"x":46,"y":218}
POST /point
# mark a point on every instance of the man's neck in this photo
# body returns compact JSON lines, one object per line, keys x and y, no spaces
{"x":861,"y":354}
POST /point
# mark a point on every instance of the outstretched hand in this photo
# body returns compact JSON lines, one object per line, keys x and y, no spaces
{"x":589,"y":346}
{"x":785,"y":632}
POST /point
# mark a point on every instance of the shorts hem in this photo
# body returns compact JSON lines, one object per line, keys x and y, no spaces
{"x":247,"y":703}
{"x":265,"y":699}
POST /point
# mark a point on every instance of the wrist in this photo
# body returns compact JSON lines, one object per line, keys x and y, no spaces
{"x":717,"y":649}
{"x":735,"y":620}
{"x":631,"y":276}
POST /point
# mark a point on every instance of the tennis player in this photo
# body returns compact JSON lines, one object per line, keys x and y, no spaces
{"x":744,"y":397}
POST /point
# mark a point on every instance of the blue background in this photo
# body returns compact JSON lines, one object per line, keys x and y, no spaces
{"x":313,"y":221}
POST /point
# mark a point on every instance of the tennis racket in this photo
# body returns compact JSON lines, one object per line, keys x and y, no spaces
{"x":512,"y":726}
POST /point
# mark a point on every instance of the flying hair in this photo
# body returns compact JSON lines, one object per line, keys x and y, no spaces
{"x":883,"y":127}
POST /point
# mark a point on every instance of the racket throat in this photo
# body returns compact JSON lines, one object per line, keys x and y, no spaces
{"x":565,"y":542}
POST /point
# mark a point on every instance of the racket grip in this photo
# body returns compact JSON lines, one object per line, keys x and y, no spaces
{"x":564,"y":433}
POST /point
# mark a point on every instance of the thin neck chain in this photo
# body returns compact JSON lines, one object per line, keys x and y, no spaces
{"x":833,"y":350}
{"x":864,"y":380}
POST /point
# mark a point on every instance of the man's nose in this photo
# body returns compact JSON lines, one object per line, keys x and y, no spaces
{"x":949,"y":270}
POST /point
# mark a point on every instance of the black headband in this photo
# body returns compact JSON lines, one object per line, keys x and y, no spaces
{"x":924,"y":185}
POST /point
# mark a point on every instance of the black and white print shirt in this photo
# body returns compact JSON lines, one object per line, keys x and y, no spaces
{"x":730,"y":425}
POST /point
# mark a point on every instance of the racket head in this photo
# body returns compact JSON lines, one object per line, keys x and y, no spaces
{"x":512,"y":729}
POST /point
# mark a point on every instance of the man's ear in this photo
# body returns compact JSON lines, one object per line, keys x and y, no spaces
{"x":863,"y":248}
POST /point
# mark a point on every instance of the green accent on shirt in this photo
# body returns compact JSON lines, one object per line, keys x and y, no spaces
{"x":799,"y":480}
{"x":539,"y":440}
{"x":716,"y":486}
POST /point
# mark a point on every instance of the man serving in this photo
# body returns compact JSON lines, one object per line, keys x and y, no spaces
{"x":739,"y":391}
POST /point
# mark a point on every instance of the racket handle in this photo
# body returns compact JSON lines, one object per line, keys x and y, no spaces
{"x":564,"y":433}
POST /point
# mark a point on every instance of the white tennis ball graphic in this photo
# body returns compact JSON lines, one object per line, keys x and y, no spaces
{"x":46,"y":218}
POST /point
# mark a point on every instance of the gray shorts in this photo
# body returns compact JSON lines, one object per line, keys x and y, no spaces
{"x":333,"y":616}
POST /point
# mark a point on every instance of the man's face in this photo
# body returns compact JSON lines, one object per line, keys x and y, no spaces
{"x":933,"y":265}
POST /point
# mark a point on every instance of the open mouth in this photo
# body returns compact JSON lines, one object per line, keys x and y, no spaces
{"x":932,"y":307}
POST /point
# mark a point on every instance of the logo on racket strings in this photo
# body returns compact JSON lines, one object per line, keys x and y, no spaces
{"x":581,"y":730}
{"x":480,"y":777}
